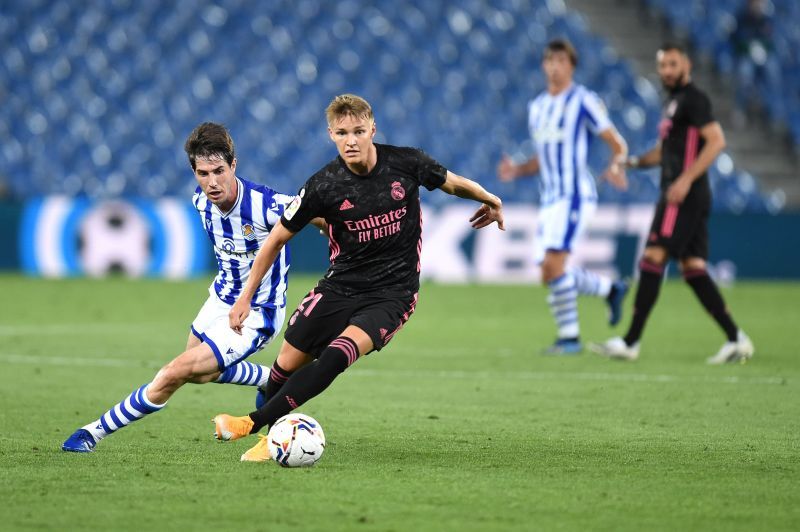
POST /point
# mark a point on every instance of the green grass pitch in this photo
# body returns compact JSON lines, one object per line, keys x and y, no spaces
{"x":458,"y":425}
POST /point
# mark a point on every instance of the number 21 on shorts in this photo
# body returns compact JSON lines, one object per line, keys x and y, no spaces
{"x":306,"y":306}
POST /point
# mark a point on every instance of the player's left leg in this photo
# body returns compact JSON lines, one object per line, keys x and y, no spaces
{"x":589,"y":283}
{"x":738,"y":347}
{"x":147,"y":399}
{"x":305,"y":384}
{"x":368,"y":323}
{"x":289,"y":360}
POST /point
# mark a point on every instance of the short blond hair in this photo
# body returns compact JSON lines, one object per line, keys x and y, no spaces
{"x":348,"y":105}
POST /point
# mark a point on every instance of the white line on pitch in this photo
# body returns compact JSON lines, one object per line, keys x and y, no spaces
{"x":569,"y":376}
{"x":80,"y":328}
{"x":437,"y":374}
{"x":76,"y":361}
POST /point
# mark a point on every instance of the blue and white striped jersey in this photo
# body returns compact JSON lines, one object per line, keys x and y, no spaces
{"x":237,"y":236}
{"x":560,"y":125}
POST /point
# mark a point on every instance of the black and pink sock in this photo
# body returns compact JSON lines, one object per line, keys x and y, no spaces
{"x":307,"y":382}
{"x":650,"y":277}
{"x":707,"y":292}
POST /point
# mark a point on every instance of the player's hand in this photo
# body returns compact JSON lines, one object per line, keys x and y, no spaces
{"x":506,"y":171}
{"x":615,"y":174}
{"x":678,"y":190}
{"x":486,"y":214}
{"x":238,"y":314}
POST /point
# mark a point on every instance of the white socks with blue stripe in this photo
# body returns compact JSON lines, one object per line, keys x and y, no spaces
{"x":563,"y":301}
{"x":589,"y":283}
{"x":244,"y":373}
{"x":133,"y":407}
{"x":137,"y":405}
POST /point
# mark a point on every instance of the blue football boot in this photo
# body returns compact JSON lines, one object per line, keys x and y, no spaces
{"x":81,"y":441}
{"x":261,"y":397}
{"x":564,"y":346}
{"x":614,"y":301}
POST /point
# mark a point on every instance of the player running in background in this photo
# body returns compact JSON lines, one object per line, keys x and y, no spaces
{"x":369,"y":196}
{"x":690,"y":140}
{"x":560,"y":121}
{"x":237,"y":216}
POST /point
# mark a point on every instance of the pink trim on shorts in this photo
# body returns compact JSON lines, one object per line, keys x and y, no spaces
{"x":406,"y":317}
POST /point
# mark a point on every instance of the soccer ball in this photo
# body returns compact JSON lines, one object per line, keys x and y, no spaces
{"x":296,"y":440}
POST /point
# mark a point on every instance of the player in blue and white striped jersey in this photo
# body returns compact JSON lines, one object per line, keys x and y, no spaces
{"x":561,"y":120}
{"x":237,"y":215}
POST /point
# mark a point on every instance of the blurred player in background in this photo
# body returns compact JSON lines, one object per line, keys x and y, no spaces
{"x":560,"y":121}
{"x":237,"y":216}
{"x":369,"y":197}
{"x":690,"y":140}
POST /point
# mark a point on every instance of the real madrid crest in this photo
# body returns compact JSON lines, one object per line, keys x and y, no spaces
{"x":398,"y":192}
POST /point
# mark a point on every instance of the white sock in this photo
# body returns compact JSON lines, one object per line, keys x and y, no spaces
{"x":133,"y":407}
{"x":590,"y":283}
{"x":563,"y":301}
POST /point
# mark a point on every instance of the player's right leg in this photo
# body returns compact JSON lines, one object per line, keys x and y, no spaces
{"x":147,"y":399}
{"x":651,"y":274}
{"x":563,"y":302}
{"x":557,"y":224}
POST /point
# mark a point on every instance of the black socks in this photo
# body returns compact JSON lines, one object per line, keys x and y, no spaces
{"x":707,"y":292}
{"x":650,"y":278}
{"x":307,"y":382}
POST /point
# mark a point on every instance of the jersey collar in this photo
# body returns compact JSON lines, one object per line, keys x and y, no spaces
{"x":372,"y":172}
{"x":239,"y":192}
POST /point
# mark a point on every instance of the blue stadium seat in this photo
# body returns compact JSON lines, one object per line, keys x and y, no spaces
{"x":98,"y":100}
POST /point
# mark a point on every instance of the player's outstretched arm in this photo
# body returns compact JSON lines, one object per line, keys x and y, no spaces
{"x":615,"y":173}
{"x":490,"y":211}
{"x":265,"y":257}
{"x":507,"y":170}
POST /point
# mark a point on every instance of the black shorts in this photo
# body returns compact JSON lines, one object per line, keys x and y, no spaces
{"x":323,"y":314}
{"x":681,"y":229}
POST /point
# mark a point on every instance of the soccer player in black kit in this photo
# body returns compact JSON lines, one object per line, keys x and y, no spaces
{"x":690,"y":140}
{"x":369,"y":197}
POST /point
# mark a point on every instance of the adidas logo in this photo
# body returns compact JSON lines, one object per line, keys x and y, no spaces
{"x":346,"y":205}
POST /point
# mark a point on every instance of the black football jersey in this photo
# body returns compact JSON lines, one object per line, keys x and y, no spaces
{"x":686,"y":110}
{"x":374,"y":220}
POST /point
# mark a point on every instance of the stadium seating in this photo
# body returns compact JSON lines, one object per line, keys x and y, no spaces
{"x":709,"y":25}
{"x":100,"y":95}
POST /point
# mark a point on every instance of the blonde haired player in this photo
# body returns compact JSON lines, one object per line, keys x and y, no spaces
{"x":369,"y":197}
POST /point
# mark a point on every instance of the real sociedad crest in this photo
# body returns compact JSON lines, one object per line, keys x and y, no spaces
{"x":248,"y":232}
{"x":398,"y":192}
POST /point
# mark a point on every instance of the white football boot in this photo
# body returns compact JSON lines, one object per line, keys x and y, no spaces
{"x":616,"y":348}
{"x":739,"y":351}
